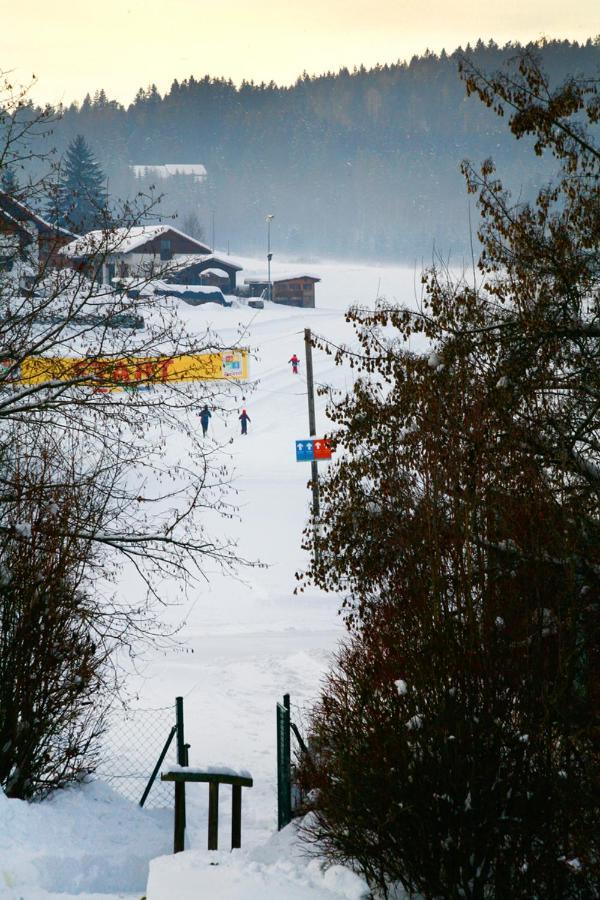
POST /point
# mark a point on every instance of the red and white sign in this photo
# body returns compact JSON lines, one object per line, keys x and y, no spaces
{"x":322,"y":448}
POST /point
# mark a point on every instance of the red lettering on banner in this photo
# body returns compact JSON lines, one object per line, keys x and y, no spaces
{"x":97,"y":370}
{"x":144,"y":371}
{"x":164,"y":368}
{"x":120,"y":372}
{"x":100,"y":369}
{"x":81,"y":367}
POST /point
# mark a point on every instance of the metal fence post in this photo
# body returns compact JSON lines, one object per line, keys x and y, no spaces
{"x":180,"y":734}
{"x":284,"y":785}
{"x":182,"y":760}
{"x":158,"y":765}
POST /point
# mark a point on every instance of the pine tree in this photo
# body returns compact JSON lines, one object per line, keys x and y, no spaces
{"x":80,"y":201}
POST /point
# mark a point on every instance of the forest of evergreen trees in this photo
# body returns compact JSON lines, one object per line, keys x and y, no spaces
{"x":361,"y":163}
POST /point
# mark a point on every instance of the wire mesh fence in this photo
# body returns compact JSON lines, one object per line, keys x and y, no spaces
{"x":299,"y":731}
{"x":300,"y":718}
{"x":291,"y":746}
{"x":132,"y":745}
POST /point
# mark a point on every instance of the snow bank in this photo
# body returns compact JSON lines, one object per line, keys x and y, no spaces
{"x":83,"y":839}
{"x":277,"y":869}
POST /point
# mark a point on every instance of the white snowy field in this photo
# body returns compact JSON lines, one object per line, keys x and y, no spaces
{"x":245,"y":642}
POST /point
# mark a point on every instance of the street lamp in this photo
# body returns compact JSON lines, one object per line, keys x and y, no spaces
{"x":269,"y":256}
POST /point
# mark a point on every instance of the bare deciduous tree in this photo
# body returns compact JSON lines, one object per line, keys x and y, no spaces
{"x":456,"y":740}
{"x":95,"y":471}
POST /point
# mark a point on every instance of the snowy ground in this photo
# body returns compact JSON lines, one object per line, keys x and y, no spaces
{"x":246,"y":642}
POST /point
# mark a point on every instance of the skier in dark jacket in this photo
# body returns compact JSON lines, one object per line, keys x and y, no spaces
{"x":295,"y":363}
{"x":244,"y":419}
{"x":205,"y":415}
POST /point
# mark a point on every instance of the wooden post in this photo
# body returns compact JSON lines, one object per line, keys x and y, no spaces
{"x":213,"y":815}
{"x":312,"y":422}
{"x":236,"y":816}
{"x":179,"y":833}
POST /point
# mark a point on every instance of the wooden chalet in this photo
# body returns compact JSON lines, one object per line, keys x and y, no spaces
{"x":291,"y":290}
{"x":27,"y":236}
{"x":139,"y":252}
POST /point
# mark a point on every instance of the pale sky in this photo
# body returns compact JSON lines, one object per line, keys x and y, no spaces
{"x":76,"y":46}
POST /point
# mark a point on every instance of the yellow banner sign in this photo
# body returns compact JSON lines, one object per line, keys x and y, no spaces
{"x":131,"y":371}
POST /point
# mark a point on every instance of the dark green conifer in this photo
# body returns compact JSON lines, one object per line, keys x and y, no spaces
{"x":80,"y":200}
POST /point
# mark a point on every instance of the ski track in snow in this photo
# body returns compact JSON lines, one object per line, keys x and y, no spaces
{"x":246,"y":642}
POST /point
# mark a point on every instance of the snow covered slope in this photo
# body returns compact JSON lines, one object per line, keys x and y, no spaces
{"x":252,"y":639}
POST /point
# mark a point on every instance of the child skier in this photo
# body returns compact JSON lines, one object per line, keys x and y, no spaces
{"x":295,"y":363}
{"x":205,"y":415}
{"x":244,"y":419}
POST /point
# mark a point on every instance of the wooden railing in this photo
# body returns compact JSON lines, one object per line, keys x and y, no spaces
{"x":182,"y":775}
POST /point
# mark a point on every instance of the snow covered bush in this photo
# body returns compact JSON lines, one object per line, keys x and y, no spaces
{"x":458,"y":735}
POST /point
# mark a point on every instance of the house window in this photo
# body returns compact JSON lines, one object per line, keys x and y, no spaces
{"x":165,"y":249}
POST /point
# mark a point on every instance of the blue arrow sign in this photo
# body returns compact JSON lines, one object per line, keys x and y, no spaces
{"x":305,"y":451}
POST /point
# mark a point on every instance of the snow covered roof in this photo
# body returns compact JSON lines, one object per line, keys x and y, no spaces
{"x":295,"y":277}
{"x":193,"y":294}
{"x":121,"y":240}
{"x":281,"y":278}
{"x":164,"y":286}
{"x":196,"y":170}
{"x":18,"y":212}
{"x":14,"y":223}
{"x":193,"y":260}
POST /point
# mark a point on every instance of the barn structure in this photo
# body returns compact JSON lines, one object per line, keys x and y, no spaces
{"x":290,"y":290}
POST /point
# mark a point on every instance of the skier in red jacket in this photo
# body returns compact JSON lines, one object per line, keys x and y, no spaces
{"x":295,"y":363}
{"x":244,"y":419}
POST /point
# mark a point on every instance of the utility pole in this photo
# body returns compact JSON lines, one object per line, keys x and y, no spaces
{"x":269,"y":219}
{"x":312,"y":425}
{"x":213,"y":230}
